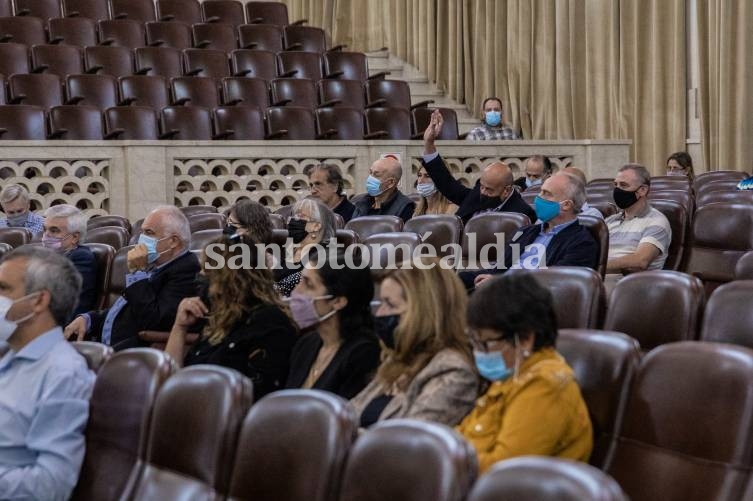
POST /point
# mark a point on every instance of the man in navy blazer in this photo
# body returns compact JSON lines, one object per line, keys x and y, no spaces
{"x":557,"y":238}
{"x":493,"y":192}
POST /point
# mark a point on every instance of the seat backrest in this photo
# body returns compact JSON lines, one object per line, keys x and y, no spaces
{"x":304,"y":38}
{"x":109,"y":60}
{"x":679,"y":221}
{"x":605,"y":207}
{"x":323,"y":427}
{"x":717,"y":175}
{"x":389,"y":250}
{"x":14,"y":58}
{"x":254,"y":63}
{"x":245,"y":91}
{"x":96,"y":354}
{"x":120,"y":412}
{"x":369,"y":225}
{"x":244,"y":122}
{"x":347,"y":237}
{"x":159,"y":61}
{"x":728,"y":184}
{"x":6,"y":8}
{"x":44,"y":90}
{"x":131,"y":122}
{"x":381,"y":463}
{"x":298,"y":122}
{"x":184,"y":11}
{"x":437,"y":230}
{"x":206,"y":63}
{"x":339,"y":123}
{"x":45,"y":9}
{"x":61,"y":60}
{"x":95,"y":90}
{"x":117,"y":283}
{"x":115,"y":236}
{"x":202,"y":238}
{"x":195,"y":91}
{"x":727,"y":196}
{"x":267,"y":12}
{"x":681,"y":388}
{"x":671,"y":182}
{"x":186,"y":122}
{"x":206,"y":221}
{"x":491,"y":228}
{"x":145,"y":90}
{"x":604,"y":364}
{"x":216,"y":36}
{"x":190,"y":210}
{"x":27,"y":30}
{"x":421,"y":117}
{"x":22,"y":122}
{"x":93,"y":9}
{"x":346,"y":65}
{"x":108,"y":220}
{"x":340,"y":92}
{"x":208,"y":404}
{"x":79,"y":122}
{"x":599,"y":231}
{"x":578,"y":292}
{"x":137,"y":10}
{"x":223,"y":11}
{"x":169,"y":34}
{"x":104,"y":256}
{"x":546,"y":479}
{"x":728,"y":314}
{"x":80,"y":31}
{"x":391,"y":93}
{"x":122,"y":32}
{"x":300,"y":64}
{"x":388,"y":123}
{"x":744,"y":267}
{"x":293,"y":92}
{"x":684,"y":197}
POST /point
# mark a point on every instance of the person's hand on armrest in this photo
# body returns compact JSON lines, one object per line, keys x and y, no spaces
{"x":77,"y":328}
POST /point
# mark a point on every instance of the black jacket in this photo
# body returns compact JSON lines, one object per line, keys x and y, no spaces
{"x":399,"y":205}
{"x":152,"y":303}
{"x":345,"y":209}
{"x":83,"y":259}
{"x":467,"y":199}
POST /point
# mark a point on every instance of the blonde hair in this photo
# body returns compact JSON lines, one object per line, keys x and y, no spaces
{"x":440,"y":202}
{"x":434,"y":320}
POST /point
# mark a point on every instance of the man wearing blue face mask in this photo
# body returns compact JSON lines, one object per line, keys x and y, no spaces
{"x":161,"y":272}
{"x":15,"y":202}
{"x":538,"y":169}
{"x":557,"y":231}
{"x":492,"y":128}
{"x":384,"y":197}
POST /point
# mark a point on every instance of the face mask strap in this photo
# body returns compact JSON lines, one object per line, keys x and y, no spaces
{"x":517,"y":358}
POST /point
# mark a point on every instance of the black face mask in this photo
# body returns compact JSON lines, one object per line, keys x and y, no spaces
{"x":229,"y":230}
{"x":624,"y":199}
{"x":491,"y":202}
{"x":297,"y":230}
{"x":384,"y":328}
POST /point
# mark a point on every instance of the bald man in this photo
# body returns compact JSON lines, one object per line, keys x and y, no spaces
{"x":586,"y":210}
{"x":383,"y":196}
{"x":493,"y":192}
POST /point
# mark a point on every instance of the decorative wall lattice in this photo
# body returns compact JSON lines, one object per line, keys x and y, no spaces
{"x":468,"y":169}
{"x":83,"y":183}
{"x":271,"y":182}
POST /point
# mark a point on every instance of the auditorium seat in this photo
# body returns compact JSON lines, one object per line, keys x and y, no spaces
{"x":605,"y":207}
{"x":409,"y":460}
{"x":117,"y":284}
{"x":299,"y":64}
{"x":304,"y":38}
{"x":76,"y":122}
{"x":744,"y":267}
{"x":254,"y":63}
{"x":184,"y":11}
{"x":729,"y":184}
{"x":717,"y":175}
{"x":346,"y":236}
{"x":422,"y":116}
{"x":195,"y":426}
{"x":266,"y":37}
{"x":688,"y":419}
{"x":656,"y":307}
{"x":393,"y":248}
{"x":319,"y":425}
{"x":206,"y":221}
{"x":122,"y":32}
{"x":215,"y":36}
{"x":206,"y":63}
{"x":293,"y":92}
{"x":578,"y":293}
{"x":733,"y":196}
{"x":278,"y":221}
{"x":604,"y":363}
{"x":100,"y":91}
{"x":44,"y":90}
{"x":201,"y":238}
{"x":43,"y":9}
{"x":93,"y":9}
{"x":131,"y":122}
{"x":96,"y":354}
{"x":120,"y":412}
{"x":366,"y":226}
{"x":239,"y":123}
{"x":245,"y":91}
{"x":339,"y":123}
{"x":349,"y":66}
{"x":114,"y":236}
{"x":279,"y":237}
{"x":387,"y":123}
{"x":61,"y":60}
{"x":545,"y":479}
{"x":80,"y":31}
{"x":22,"y":122}
{"x":390,"y":93}
{"x":484,"y":229}
{"x":158,"y":61}
{"x":116,"y":61}
{"x":14,"y":58}
{"x":145,"y":90}
{"x":186,"y":123}
{"x":339,"y":92}
{"x":194,"y":91}
{"x":599,"y":231}
{"x":223,"y":11}
{"x":679,"y":221}
{"x":269,"y":13}
{"x":169,"y":34}
{"x":23,"y":29}
{"x":137,"y":10}
{"x":6,"y":8}
{"x":670,"y":182}
{"x":437,"y":231}
{"x":190,"y":210}
{"x":108,"y":220}
{"x":290,"y":123}
{"x":728,"y":314}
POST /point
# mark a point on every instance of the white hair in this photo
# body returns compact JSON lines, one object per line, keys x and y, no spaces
{"x":75,"y":219}
{"x":175,"y":223}
{"x":12,"y":192}
{"x":320,"y":213}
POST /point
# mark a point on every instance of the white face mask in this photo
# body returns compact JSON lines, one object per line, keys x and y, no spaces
{"x":8,"y":327}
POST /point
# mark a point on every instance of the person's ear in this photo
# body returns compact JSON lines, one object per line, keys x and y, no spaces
{"x":42,"y":302}
{"x":340,"y":302}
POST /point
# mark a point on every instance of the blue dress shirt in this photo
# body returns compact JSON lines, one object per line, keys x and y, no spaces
{"x":44,"y":407}
{"x":529,"y":260}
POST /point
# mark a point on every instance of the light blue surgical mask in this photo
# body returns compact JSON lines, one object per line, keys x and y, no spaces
{"x":151,"y":247}
{"x":493,"y":118}
{"x":492,"y":366}
{"x":535,"y":182}
{"x":18,"y":220}
{"x":546,"y":210}
{"x":426,"y":189}
{"x":373,"y":186}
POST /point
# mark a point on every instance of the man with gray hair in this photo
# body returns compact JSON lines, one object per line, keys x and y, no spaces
{"x":161,"y":272}
{"x":64,"y":230}
{"x":564,"y":241}
{"x":14,"y":200}
{"x":46,"y":384}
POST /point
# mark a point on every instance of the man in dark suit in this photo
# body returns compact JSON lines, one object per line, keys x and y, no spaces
{"x":557,"y":238}
{"x":161,"y":272}
{"x":64,"y":230}
{"x":493,"y":192}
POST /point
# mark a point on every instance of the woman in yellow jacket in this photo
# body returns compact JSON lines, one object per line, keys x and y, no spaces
{"x":533,"y":404}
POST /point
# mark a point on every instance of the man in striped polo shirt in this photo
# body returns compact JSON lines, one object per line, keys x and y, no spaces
{"x":639,"y":236}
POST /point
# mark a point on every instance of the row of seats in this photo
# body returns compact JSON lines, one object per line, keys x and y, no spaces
{"x":186,"y":11}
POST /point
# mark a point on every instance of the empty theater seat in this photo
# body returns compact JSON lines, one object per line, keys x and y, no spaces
{"x":578,"y":292}
{"x":729,"y":314}
{"x":371,"y":225}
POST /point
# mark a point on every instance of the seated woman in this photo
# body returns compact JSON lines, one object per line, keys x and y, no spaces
{"x":310,"y":228}
{"x":533,"y":404}
{"x":342,"y":353}
{"x":247,"y":217}
{"x":432,"y":201}
{"x":680,"y":164}
{"x":427,"y":369}
{"x":248,"y":327}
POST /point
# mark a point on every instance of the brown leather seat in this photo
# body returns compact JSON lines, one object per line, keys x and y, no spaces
{"x":369,"y":225}
{"x":131,"y":122}
{"x":93,"y":9}
{"x":322,"y":428}
{"x":202,"y":238}
{"x":605,"y":207}
{"x":545,"y":479}
{"x":679,"y":221}
{"x":44,"y":9}
{"x":94,"y":90}
{"x":159,"y":61}
{"x":304,"y":38}
{"x":728,"y":314}
{"x":604,"y":363}
{"x":122,"y":32}
{"x":290,"y":123}
{"x":718,"y":242}
{"x":390,"y":93}
{"x":245,"y":91}
{"x":115,"y":236}
{"x":15,"y":237}
{"x":190,"y":210}
{"x":22,"y":122}
{"x":279,"y":237}
{"x":488,"y":228}
{"x":278,"y":222}
{"x":96,"y":354}
{"x":194,"y":431}
{"x":341,"y":93}
{"x":238,"y":123}
{"x":672,"y":182}
{"x":348,"y":66}
{"x":578,"y":293}
{"x":266,"y":37}
{"x":268,"y":13}
{"x":717,"y":175}
{"x":138,"y":10}
{"x":420,"y":118}
{"x":688,"y":419}
{"x":173,"y":34}
{"x":120,"y":413}
{"x":728,"y":184}
{"x":145,"y":90}
{"x":407,"y":460}
{"x":60,"y":60}
{"x":293,"y":92}
{"x":215,"y":36}
{"x":437,"y":230}
{"x":6,"y":8}
{"x":44,"y":90}
{"x":656,"y":307}
{"x":599,"y":231}
{"x":339,"y":123}
{"x":80,"y":31}
{"x":300,"y":64}
{"x":387,"y":123}
{"x":186,"y":123}
{"x":223,"y":11}
{"x":108,"y":220}
{"x":206,"y":221}
{"x":117,"y":283}
{"x":14,"y":58}
{"x":389,"y":250}
{"x":109,"y":60}
{"x":79,"y":122}
{"x":195,"y":91}
{"x":184,"y":11}
{"x":27,"y":30}
{"x":744,"y":267}
{"x":347,"y":237}
{"x":104,"y":255}
{"x":744,"y":197}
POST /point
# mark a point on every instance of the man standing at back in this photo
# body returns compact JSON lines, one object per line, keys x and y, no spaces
{"x":45,"y":384}
{"x":384,"y":197}
{"x":493,"y":192}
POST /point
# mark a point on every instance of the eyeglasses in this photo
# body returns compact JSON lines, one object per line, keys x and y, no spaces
{"x":482,"y":345}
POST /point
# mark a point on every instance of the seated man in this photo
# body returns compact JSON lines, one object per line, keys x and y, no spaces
{"x":384,"y":197}
{"x":538,"y":168}
{"x":327,"y":184}
{"x":493,"y":192}
{"x":586,"y":210}
{"x":564,"y":240}
{"x":639,"y":236}
{"x":46,"y":384}
{"x":492,"y":128}
{"x":162,"y":271}
{"x":64,"y":230}
{"x":15,"y":202}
